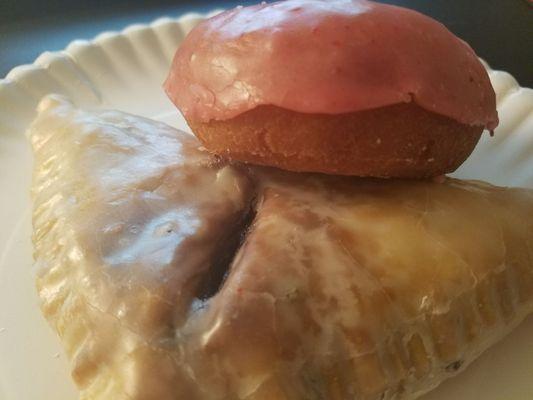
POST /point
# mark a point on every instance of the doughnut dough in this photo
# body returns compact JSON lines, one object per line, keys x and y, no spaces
{"x":169,"y":274}
{"x":401,"y":141}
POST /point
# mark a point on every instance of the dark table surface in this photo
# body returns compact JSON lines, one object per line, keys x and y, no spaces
{"x":500,"y":31}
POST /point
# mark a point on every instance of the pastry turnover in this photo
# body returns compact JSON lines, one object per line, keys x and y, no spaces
{"x":169,"y":274}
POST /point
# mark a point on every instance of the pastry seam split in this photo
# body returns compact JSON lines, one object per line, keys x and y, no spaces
{"x":224,"y":257}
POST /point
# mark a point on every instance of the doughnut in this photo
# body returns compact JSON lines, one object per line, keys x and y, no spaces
{"x":346,"y":87}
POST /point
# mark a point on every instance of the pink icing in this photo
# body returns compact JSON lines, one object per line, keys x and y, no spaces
{"x":331,"y":57}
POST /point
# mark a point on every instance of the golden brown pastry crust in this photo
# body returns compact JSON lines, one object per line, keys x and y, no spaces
{"x":401,"y":140}
{"x":342,"y":288}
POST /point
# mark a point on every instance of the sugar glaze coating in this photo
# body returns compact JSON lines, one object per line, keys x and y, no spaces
{"x":327,"y":57}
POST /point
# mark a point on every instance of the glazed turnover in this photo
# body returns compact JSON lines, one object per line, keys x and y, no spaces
{"x":170,"y":274}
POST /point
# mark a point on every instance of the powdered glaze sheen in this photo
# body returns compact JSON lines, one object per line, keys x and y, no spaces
{"x":341,"y":289}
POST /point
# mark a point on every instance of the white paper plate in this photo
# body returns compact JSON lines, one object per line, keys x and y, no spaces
{"x":124,"y":71}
